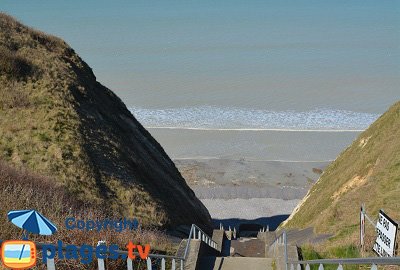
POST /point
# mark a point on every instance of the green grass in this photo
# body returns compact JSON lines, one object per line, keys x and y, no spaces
{"x":273,"y":265}
{"x":20,"y":189}
{"x":309,"y":253}
{"x":367,"y":172}
{"x":58,"y":121}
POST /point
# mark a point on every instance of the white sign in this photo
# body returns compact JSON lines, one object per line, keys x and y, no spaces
{"x":386,"y":230}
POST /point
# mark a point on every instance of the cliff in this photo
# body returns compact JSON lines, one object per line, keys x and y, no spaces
{"x":57,"y":120}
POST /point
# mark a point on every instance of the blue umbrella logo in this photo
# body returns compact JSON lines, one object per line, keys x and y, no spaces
{"x":32,"y":221}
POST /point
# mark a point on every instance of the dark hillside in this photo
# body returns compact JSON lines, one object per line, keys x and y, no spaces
{"x":57,"y":120}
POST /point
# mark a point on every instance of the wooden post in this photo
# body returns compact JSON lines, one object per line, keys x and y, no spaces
{"x":362,"y":227}
{"x":100,"y":262}
{"x":162,"y":264}
{"x":50,"y":262}
{"x":149,"y":266}
{"x":129,"y":264}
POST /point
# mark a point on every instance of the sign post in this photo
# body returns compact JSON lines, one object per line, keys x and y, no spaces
{"x":362,"y":227}
{"x":386,"y":230}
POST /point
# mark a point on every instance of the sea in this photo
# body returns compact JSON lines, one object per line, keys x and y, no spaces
{"x":291,"y":81}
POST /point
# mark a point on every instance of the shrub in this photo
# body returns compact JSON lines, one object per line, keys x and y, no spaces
{"x":13,"y":66}
{"x":20,"y":189}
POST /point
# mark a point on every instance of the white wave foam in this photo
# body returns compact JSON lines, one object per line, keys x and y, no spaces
{"x":242,"y":119}
{"x":260,"y":129}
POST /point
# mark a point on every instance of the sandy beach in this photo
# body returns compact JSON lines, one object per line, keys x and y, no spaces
{"x":251,"y":175}
{"x":244,"y":190}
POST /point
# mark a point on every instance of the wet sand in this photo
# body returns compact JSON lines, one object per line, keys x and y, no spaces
{"x":249,"y":189}
{"x":253,"y":145}
{"x":251,"y":174}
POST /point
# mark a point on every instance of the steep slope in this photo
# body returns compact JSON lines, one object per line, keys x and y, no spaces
{"x":366,"y":172}
{"x":57,"y":120}
{"x":55,"y":202}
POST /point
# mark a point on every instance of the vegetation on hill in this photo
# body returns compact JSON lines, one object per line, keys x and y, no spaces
{"x":368,"y":171}
{"x":24,"y":190}
{"x":58,"y":121}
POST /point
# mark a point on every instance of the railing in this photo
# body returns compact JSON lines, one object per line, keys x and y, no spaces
{"x":197,"y":233}
{"x":297,"y":265}
{"x":280,"y":240}
{"x":161,"y":260}
{"x":230,"y":234}
{"x":373,"y":262}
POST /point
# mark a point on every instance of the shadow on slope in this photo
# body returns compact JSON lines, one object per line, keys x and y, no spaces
{"x":273,"y":222}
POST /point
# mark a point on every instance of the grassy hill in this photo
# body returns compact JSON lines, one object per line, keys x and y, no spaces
{"x":367,"y":172}
{"x":55,"y":202}
{"x":58,"y":121}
